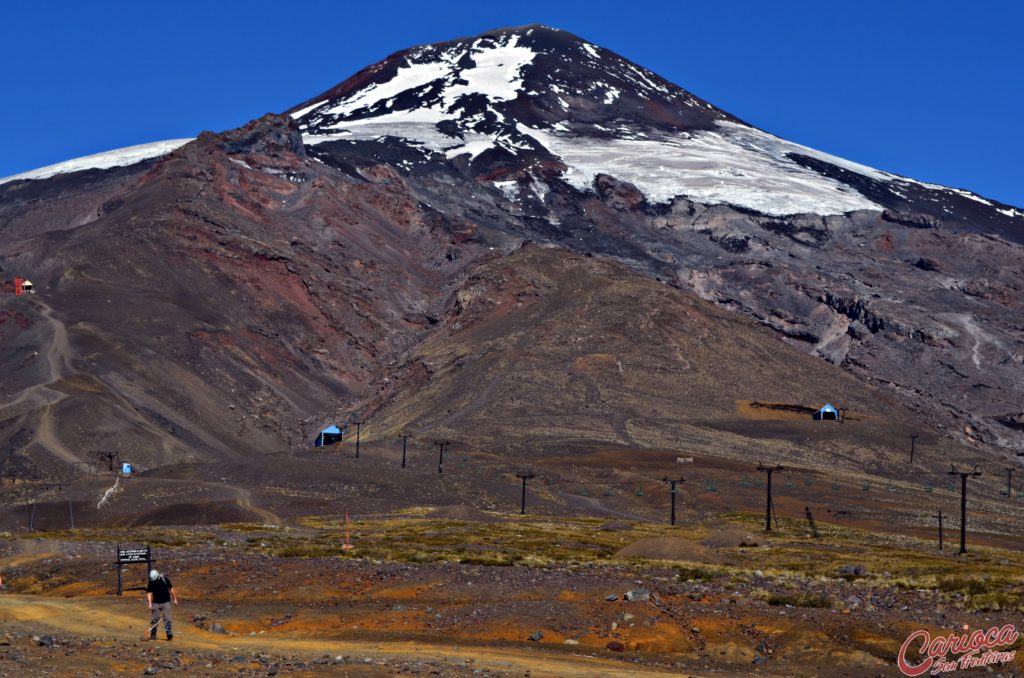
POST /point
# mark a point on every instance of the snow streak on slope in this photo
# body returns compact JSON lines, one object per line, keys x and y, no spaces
{"x":116,"y":158}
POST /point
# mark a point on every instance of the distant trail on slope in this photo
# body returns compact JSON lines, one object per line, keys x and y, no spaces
{"x":59,"y":354}
{"x":46,"y":437}
{"x":58,"y":361}
{"x":245,"y":501}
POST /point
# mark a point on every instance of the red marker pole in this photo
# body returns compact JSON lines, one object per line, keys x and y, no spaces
{"x":346,"y":546}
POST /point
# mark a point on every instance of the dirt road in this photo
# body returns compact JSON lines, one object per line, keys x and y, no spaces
{"x":124,"y":619}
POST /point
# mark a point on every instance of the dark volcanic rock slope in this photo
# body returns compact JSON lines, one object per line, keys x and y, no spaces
{"x":236,"y":290}
{"x":236,"y":294}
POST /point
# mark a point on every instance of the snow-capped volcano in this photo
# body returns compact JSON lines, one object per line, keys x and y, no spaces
{"x":489,"y":92}
{"x":312,"y":252}
{"x":514,"y":99}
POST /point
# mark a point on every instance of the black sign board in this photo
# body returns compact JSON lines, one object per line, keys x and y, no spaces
{"x":131,"y":556}
{"x":125,"y":556}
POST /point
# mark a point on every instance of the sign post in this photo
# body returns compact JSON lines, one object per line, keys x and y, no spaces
{"x":347,"y":545}
{"x":131,"y":556}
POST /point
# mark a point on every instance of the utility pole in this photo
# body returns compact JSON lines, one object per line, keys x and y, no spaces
{"x":359,"y":425}
{"x":842,"y":414}
{"x":71,"y":511}
{"x":673,"y":490}
{"x":405,"y":438}
{"x":110,"y":456}
{"x":940,"y":530}
{"x":440,"y":460}
{"x":522,"y":504}
{"x":964,"y":475}
{"x":913,"y":444}
{"x":768,"y":505}
{"x":810,"y":521}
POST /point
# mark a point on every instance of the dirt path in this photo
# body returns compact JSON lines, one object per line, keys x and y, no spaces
{"x":58,"y":362}
{"x":58,"y":356}
{"x":46,"y":437}
{"x":245,"y":501}
{"x":125,"y":619}
{"x":31,"y":550}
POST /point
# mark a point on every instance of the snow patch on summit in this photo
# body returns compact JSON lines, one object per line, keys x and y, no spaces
{"x":497,"y":74}
{"x":442,"y":87}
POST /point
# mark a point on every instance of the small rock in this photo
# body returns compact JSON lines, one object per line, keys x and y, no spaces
{"x":44,"y":641}
{"x":150,"y":671}
{"x":570,"y":641}
{"x":611,"y":598}
{"x":615,"y":646}
{"x":536,"y":635}
{"x":694,"y":629}
{"x":637,"y":594}
{"x":758,"y":573}
{"x":217,"y":628}
{"x":628,"y":617}
{"x":852,"y":571}
{"x":759,"y":659}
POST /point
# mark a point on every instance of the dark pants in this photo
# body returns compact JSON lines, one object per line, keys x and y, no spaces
{"x":160,"y":609}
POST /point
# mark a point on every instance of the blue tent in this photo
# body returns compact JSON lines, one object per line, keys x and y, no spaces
{"x":330,"y":435}
{"x":827,"y":413}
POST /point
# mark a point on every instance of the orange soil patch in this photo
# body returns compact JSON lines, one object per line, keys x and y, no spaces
{"x":594,"y":361}
{"x":662,"y":637}
{"x":403,"y":592}
{"x":404,"y":621}
{"x":79,"y":588}
{"x":512,"y":633}
{"x":876,"y":644}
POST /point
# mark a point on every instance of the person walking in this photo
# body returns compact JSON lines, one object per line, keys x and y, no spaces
{"x":160,"y":596}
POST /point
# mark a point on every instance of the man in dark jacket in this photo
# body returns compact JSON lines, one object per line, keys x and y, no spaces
{"x":160,"y":595}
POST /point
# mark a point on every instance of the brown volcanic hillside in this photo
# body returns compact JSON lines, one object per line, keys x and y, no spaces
{"x":546,"y":350}
{"x":231,"y":293}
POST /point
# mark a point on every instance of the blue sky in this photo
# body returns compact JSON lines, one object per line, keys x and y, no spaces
{"x":931,"y":90}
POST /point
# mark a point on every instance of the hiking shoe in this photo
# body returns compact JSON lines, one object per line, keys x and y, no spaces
{"x":170,"y":636}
